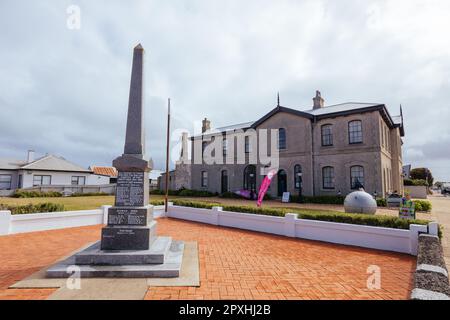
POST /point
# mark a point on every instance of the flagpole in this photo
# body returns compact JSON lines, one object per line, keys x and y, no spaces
{"x":167,"y":158}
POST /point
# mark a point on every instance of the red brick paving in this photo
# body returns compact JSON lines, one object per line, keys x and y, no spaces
{"x":234,"y":264}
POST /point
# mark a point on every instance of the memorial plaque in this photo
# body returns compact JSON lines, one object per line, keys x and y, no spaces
{"x":125,"y":238}
{"x":130,"y":189}
{"x":127,"y":216}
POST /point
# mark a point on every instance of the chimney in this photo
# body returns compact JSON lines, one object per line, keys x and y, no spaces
{"x":206,"y":125}
{"x":184,"y":147}
{"x":30,"y":156}
{"x":318,"y":101}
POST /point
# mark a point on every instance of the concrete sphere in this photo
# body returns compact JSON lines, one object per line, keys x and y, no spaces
{"x":360,"y":202}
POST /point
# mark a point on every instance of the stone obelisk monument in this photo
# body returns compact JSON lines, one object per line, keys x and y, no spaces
{"x":129,"y":246}
{"x":130,"y":221}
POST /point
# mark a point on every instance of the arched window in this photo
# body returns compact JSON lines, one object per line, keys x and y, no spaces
{"x":328,"y":177}
{"x":224,"y":146}
{"x":281,"y":139}
{"x":327,"y":135}
{"x":357,"y":177}
{"x":250,"y":178}
{"x":204,"y":179}
{"x":355,"y":132}
{"x":297,"y":176}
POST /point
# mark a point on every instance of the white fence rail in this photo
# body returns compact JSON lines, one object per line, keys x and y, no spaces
{"x":397,"y":240}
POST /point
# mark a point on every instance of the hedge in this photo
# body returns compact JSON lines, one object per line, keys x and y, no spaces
{"x":319,"y":199}
{"x":33,"y":208}
{"x":330,"y":216}
{"x":415,"y":182}
{"x":89,"y":194}
{"x":35,"y":194}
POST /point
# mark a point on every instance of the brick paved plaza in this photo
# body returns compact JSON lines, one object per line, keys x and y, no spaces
{"x":234,"y":264}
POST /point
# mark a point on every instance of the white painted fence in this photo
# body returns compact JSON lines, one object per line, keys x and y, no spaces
{"x":388,"y":239}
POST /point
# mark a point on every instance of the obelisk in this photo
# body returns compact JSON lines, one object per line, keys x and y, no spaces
{"x":130,"y":221}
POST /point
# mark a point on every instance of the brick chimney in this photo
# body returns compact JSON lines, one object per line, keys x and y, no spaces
{"x":206,"y":125}
{"x":30,"y":156}
{"x":318,"y":101}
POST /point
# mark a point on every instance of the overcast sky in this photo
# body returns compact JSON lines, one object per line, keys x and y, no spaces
{"x":65,"y":91}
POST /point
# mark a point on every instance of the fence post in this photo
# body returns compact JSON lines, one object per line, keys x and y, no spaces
{"x":5,"y":222}
{"x":215,"y":215}
{"x":105,"y":213}
{"x":289,"y":224}
{"x":414,"y":230}
{"x":433,"y":228}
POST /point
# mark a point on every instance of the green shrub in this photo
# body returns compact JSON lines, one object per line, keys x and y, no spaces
{"x":89,"y":194}
{"x":33,"y":208}
{"x":196,"y":193}
{"x":230,"y":195}
{"x":157,"y":192}
{"x":415,"y":182}
{"x":319,"y":199}
{"x":381,"y":202}
{"x":330,"y":216}
{"x":20,"y":193}
{"x":423,"y":205}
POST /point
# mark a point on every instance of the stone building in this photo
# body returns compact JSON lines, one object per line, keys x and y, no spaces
{"x":327,"y":150}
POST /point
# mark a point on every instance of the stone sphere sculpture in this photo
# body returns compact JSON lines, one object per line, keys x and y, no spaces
{"x":360,"y":202}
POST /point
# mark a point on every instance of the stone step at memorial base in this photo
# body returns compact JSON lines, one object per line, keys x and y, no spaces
{"x":169,"y":269}
{"x":155,"y":255}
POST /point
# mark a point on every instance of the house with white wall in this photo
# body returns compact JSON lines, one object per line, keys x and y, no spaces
{"x":49,"y":173}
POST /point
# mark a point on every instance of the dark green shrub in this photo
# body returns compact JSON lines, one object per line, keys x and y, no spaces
{"x":33,"y":208}
{"x":319,"y":199}
{"x":196,"y":193}
{"x":423,"y":205}
{"x":415,"y":182}
{"x":381,"y":202}
{"x":157,"y":192}
{"x":89,"y":194}
{"x":330,"y":216}
{"x":20,"y":193}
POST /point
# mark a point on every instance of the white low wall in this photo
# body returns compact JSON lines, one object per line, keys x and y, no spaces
{"x":397,"y":240}
{"x":417,"y":192}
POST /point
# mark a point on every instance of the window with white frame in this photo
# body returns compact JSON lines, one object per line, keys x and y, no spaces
{"x":5,"y":181}
{"x":78,"y":181}
{"x":40,"y":180}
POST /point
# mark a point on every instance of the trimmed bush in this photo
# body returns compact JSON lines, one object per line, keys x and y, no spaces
{"x":415,"y":182}
{"x":330,"y":216}
{"x":35,"y":194}
{"x":196,"y":193}
{"x":319,"y":199}
{"x":157,"y":192}
{"x":381,"y":202}
{"x":33,"y":208}
{"x":89,"y":194}
{"x":423,"y":205}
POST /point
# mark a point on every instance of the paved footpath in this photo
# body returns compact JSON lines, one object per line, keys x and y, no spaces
{"x":441,"y":210}
{"x":234,"y":264}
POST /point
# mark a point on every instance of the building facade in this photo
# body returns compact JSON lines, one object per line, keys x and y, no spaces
{"x":49,"y":173}
{"x":322,"y":151}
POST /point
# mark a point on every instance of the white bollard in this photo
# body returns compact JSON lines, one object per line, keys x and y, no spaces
{"x":5,"y":222}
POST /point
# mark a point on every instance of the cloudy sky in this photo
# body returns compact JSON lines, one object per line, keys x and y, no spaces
{"x":64,"y":91}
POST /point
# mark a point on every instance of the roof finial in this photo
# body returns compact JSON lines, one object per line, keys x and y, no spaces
{"x":278,"y":99}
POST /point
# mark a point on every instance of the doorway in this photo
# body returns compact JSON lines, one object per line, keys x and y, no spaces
{"x":282,"y":182}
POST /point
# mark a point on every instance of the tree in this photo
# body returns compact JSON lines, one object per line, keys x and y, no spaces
{"x":422,"y":174}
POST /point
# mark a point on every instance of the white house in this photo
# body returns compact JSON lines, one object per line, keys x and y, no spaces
{"x":49,"y":173}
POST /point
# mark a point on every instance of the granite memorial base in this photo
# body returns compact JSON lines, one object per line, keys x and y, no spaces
{"x":173,"y":258}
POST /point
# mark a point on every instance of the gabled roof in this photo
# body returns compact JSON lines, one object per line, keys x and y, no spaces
{"x":282,"y":109}
{"x":104,"y":171}
{"x":53,"y":163}
{"x":11,"y":164}
{"x":337,"y":110}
